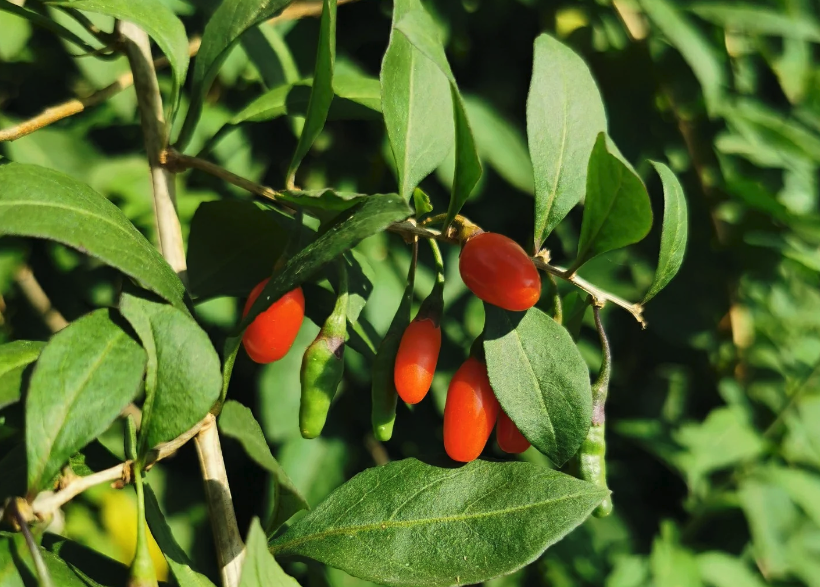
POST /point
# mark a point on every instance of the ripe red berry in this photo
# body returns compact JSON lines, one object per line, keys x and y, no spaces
{"x":508,"y":435}
{"x":269,"y":337}
{"x":416,"y":360}
{"x":470,"y":412}
{"x":498,"y":271}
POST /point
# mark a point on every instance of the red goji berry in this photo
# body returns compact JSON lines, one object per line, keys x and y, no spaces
{"x":508,"y":435}
{"x":416,"y":360}
{"x":470,"y":411}
{"x":271,"y":334}
{"x":498,"y":271}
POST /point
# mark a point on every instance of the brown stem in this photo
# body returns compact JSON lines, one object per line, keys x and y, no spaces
{"x":178,"y":162}
{"x":36,"y":296}
{"x":16,"y":506}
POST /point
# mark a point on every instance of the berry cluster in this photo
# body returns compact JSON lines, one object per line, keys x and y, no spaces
{"x":497,"y":270}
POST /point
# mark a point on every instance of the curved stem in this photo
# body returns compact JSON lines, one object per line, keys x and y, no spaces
{"x":601,"y":386}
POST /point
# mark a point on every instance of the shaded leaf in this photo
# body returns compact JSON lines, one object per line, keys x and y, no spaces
{"x":674,"y":232}
{"x":226,"y":25}
{"x":14,"y":358}
{"x":260,"y":569}
{"x":493,"y":518}
{"x":86,"y":375}
{"x":695,"y":48}
{"x":94,"y":567}
{"x":617,"y":211}
{"x":236,"y":421}
{"x":500,"y":144}
{"x":17,"y":568}
{"x":39,"y":202}
{"x":565,"y":113}
{"x":321,"y":92}
{"x":539,"y":378}
{"x":156,"y":19}
{"x":355,"y":97}
{"x":178,"y":561}
{"x":373,"y":215}
{"x":46,"y":23}
{"x":183,"y":378}
{"x":250,"y":240}
{"x":759,"y":20}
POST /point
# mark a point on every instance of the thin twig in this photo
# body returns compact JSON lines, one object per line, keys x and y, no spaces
{"x":299,"y":10}
{"x":76,"y":105}
{"x":47,"y":503}
{"x":177,"y":162}
{"x":601,"y":386}
{"x":230,"y":550}
{"x":39,"y":563}
{"x":36,"y":296}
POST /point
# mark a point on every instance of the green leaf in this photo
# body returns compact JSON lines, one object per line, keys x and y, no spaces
{"x":86,"y":374}
{"x":324,"y":200}
{"x":373,"y":215}
{"x":250,"y":240}
{"x":696,"y":49}
{"x":93,"y":567}
{"x":156,"y":19}
{"x":260,"y":569}
{"x":236,"y":421}
{"x":617,"y":211}
{"x":724,"y":570}
{"x":539,"y":378}
{"x":183,"y":377}
{"x":672,"y":564}
{"x":759,"y":20}
{"x":226,"y":25}
{"x":773,"y":519}
{"x":178,"y":561}
{"x":420,"y":31}
{"x":355,"y":98}
{"x":39,"y":202}
{"x":321,"y":93}
{"x":46,"y":23}
{"x":417,"y":107}
{"x":14,"y":358}
{"x":17,"y":567}
{"x":500,"y":144}
{"x":564,"y":115}
{"x":421,"y":202}
{"x":435,"y":527}
{"x":802,"y":487}
{"x":674,"y":232}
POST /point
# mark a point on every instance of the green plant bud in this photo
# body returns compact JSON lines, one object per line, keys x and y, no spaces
{"x":593,"y":465}
{"x":323,"y":365}
{"x":322,"y":371}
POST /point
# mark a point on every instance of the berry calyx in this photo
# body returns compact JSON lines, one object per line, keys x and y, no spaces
{"x":271,"y":334}
{"x":509,"y":437}
{"x":416,"y":359}
{"x":470,"y":412}
{"x":498,"y":271}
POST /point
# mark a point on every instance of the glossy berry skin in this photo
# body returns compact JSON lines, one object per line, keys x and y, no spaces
{"x":498,"y":271}
{"x":271,"y":334}
{"x":508,"y":435}
{"x":416,"y":360}
{"x":470,"y":412}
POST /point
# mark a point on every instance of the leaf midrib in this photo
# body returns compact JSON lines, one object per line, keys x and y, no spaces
{"x":386,"y":524}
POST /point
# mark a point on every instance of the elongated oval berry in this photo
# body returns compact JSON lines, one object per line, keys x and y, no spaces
{"x":508,"y":435}
{"x":470,"y":412}
{"x":416,"y":360}
{"x":271,"y":334}
{"x":498,"y":271}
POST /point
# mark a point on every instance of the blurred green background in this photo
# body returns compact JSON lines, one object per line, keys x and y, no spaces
{"x":714,"y":410}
